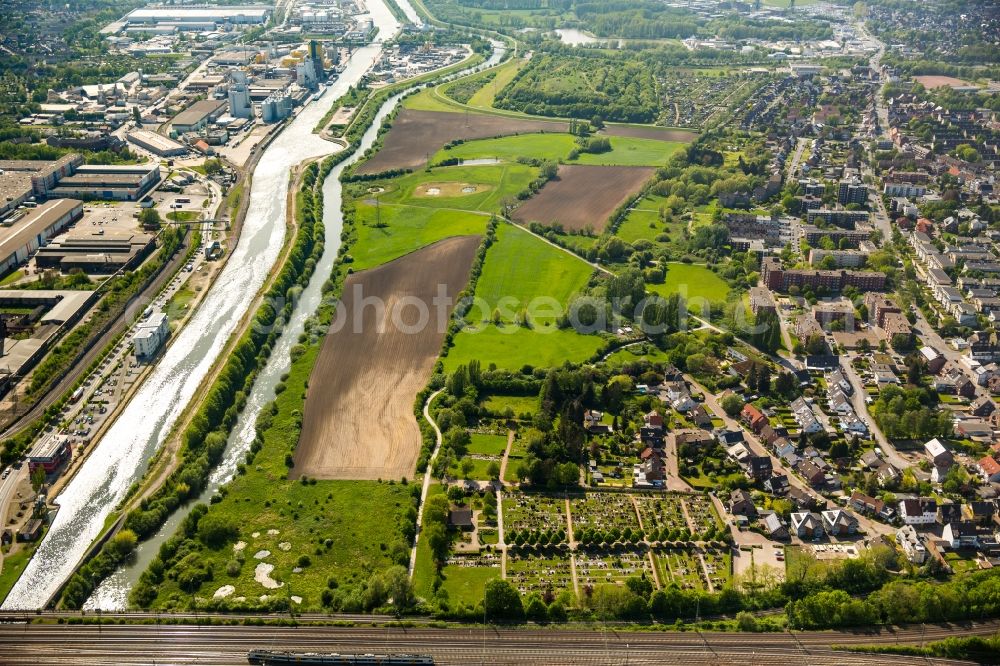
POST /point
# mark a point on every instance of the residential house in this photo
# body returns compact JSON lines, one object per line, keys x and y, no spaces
{"x":979,"y":512}
{"x":758,"y":468}
{"x":989,"y":469}
{"x":807,"y":525}
{"x":774,"y":528}
{"x":949,"y":512}
{"x":912,"y":544}
{"x":741,"y":504}
{"x":940,"y":456}
{"x":961,"y":534}
{"x":729,"y":437}
{"x":805,"y":417}
{"x":692,"y":436}
{"x":921,"y":511}
{"x":870,"y":505}
{"x":777,"y":484}
{"x":592,"y":422}
{"x":753,"y":417}
{"x":801,"y":498}
{"x":838,"y":522}
{"x":811,"y":472}
{"x":700,"y":416}
{"x":983,"y":407}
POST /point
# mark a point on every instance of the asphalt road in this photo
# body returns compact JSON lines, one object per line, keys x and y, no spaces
{"x":171,"y":644}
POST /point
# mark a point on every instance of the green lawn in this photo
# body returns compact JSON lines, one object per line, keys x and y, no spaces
{"x":487,"y":445}
{"x":643,"y":223}
{"x":523,"y":273}
{"x":492,"y":182}
{"x":466,"y":584}
{"x":405,"y":229}
{"x":480,"y":468}
{"x":519,"y":268}
{"x":521,"y":347}
{"x":13,"y":566}
{"x":643,"y":352}
{"x":498,"y":404}
{"x":179,"y":303}
{"x":693,"y":281}
{"x":625,"y":151}
{"x":12,"y":278}
{"x":426,"y":100}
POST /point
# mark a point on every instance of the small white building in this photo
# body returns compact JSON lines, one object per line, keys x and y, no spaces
{"x":150,"y":335}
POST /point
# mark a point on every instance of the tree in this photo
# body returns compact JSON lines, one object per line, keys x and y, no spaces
{"x":215,"y":531}
{"x":150,"y":218}
{"x":502,"y":602}
{"x":536,"y":610}
{"x":732,"y":404}
{"x":136,"y":115}
{"x":37,"y":478}
{"x":493,"y":470}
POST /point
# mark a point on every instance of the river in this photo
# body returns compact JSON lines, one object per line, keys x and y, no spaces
{"x":112,"y":594}
{"x":121,"y":456}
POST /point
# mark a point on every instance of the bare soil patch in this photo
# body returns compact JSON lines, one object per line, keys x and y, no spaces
{"x":449,"y":189}
{"x":933,"y":81}
{"x":658,"y":133}
{"x":583,"y":196}
{"x":416,"y":135}
{"x":358,"y":421}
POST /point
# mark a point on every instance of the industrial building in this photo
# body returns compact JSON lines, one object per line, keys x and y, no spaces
{"x":156,"y":143}
{"x":24,"y":231}
{"x":198,"y":116}
{"x":276,"y":108}
{"x":22,"y":179}
{"x":150,"y":335}
{"x":196,"y":18}
{"x":95,"y":251}
{"x":239,"y":101}
{"x":125,"y":182}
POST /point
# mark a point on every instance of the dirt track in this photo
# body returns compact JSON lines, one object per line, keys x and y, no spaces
{"x":583,"y":196}
{"x":416,"y":135}
{"x":358,"y":421}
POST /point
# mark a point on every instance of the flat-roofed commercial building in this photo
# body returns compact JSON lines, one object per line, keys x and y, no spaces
{"x":150,"y":336}
{"x":95,"y":250}
{"x":156,"y":143}
{"x":28,"y":231}
{"x":49,"y":453}
{"x":198,"y":17}
{"x":126,"y":182}
{"x":198,"y":115}
{"x":22,"y":179}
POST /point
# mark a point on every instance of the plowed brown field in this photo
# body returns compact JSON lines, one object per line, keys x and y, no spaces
{"x":358,"y":421}
{"x":415,"y":135}
{"x":650,"y":132}
{"x":583,"y":196}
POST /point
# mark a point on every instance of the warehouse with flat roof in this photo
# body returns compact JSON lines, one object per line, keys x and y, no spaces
{"x":27,"y":230}
{"x":198,"y":115}
{"x":156,"y":143}
{"x":95,"y":251}
{"x":120,"y":182}
{"x":182,"y":16}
